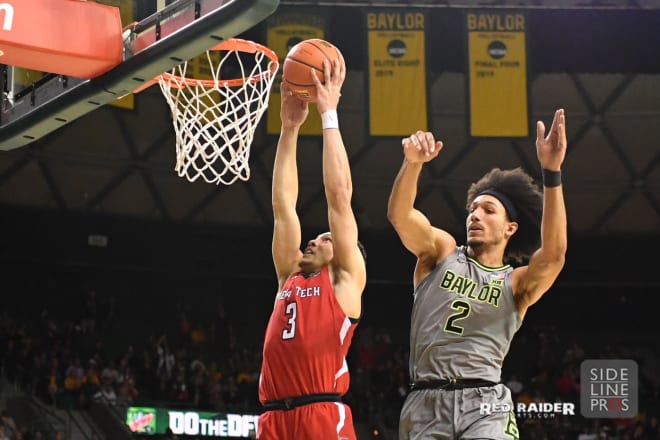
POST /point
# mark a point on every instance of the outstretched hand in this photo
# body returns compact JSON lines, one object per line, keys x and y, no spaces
{"x":293,"y":111}
{"x":421,"y":147}
{"x":329,"y":91}
{"x":551,"y":149}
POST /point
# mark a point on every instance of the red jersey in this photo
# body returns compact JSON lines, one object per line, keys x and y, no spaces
{"x":307,"y":340}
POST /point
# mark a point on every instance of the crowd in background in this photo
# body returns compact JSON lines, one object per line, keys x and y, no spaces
{"x":206,"y":364}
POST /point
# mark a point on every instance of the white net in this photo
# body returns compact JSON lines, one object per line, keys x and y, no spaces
{"x":215,"y":119}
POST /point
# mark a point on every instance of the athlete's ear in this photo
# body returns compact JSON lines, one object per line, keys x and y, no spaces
{"x":510,"y":229}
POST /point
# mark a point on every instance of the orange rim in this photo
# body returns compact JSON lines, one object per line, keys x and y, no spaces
{"x":236,"y":44}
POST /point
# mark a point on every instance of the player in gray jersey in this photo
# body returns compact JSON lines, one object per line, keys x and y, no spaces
{"x":468,"y":303}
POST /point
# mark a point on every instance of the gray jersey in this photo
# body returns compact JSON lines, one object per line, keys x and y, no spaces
{"x":463,"y":320}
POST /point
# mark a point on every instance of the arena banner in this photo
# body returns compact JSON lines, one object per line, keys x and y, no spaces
{"x":156,"y":421}
{"x":285,"y":30}
{"x":397,"y":72}
{"x":497,"y":73}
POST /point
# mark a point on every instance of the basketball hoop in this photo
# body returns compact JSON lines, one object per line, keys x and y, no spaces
{"x":215,"y":119}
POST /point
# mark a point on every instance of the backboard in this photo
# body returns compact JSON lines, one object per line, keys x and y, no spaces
{"x":155,"y":36}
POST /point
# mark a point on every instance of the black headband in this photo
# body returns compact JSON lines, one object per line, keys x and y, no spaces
{"x":508,"y":206}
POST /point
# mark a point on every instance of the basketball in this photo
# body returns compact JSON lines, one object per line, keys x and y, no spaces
{"x":304,"y":56}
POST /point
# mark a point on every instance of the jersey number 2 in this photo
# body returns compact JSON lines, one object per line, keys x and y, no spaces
{"x":291,"y":311}
{"x":463,"y":308}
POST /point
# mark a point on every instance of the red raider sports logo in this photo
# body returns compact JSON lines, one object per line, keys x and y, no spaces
{"x":609,"y":388}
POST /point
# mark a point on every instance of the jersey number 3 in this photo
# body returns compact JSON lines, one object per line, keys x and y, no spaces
{"x":463,"y":308}
{"x":291,"y":311}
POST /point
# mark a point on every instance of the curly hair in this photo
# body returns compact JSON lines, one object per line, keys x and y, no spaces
{"x":527,"y":198}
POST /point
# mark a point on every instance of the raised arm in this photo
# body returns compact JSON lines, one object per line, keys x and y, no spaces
{"x":427,"y":243}
{"x":286,"y":229}
{"x":348,"y":266}
{"x":532,"y":281}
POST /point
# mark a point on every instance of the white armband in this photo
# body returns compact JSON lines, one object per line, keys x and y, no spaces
{"x":329,"y":119}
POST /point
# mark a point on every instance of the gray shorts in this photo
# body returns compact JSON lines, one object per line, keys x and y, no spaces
{"x":470,"y":413}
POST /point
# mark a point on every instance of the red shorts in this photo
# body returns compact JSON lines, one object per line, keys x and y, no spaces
{"x":322,"y":420}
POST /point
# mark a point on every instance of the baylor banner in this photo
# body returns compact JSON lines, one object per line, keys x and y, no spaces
{"x":397,"y":73}
{"x":498,"y":74}
{"x":284,"y":31}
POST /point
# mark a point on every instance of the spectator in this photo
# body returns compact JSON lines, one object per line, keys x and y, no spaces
{"x":90,"y":385}
{"x":514,"y":385}
{"x":106,"y":394}
{"x":567,"y":384}
{"x":73,"y":381}
{"x":8,"y":423}
{"x":110,"y":372}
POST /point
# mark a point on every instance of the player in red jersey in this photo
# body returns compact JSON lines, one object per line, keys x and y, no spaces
{"x":318,"y":303}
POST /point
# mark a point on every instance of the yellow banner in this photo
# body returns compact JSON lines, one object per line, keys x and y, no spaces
{"x":25,"y":77}
{"x":498,"y":74}
{"x":284,"y":31}
{"x":397,"y":73}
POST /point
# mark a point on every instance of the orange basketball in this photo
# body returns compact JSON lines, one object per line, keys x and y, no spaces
{"x":304,"y":56}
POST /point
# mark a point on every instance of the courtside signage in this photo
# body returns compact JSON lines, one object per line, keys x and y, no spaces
{"x":152,"y":421}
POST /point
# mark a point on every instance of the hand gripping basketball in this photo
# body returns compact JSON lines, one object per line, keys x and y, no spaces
{"x":304,"y":57}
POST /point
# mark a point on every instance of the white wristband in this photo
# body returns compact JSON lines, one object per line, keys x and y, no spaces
{"x":329,"y":119}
